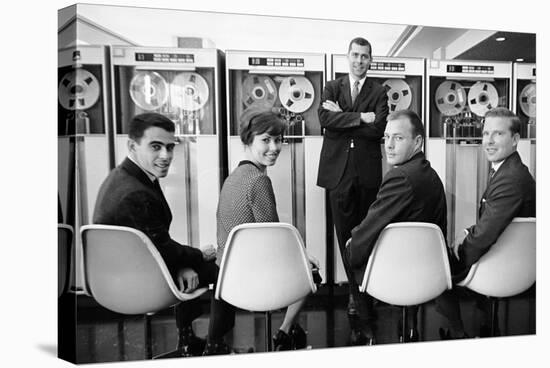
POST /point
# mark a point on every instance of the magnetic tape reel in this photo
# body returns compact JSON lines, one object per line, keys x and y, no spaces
{"x":189,"y":91}
{"x":148,"y":90}
{"x":296,"y":94}
{"x":528,"y":100}
{"x":78,"y":90}
{"x":450,"y":98}
{"x":483,"y":96}
{"x":259,"y":92}
{"x":399,"y":94}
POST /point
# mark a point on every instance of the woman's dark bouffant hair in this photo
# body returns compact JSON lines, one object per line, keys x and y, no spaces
{"x":260,"y":123}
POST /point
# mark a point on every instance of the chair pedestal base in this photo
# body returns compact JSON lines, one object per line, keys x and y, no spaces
{"x":268,"y":343}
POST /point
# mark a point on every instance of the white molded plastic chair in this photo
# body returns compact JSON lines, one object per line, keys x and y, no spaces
{"x":408,"y":265}
{"x":64,"y":247}
{"x":264,"y":267}
{"x":509,"y":267}
{"x":125,"y":273}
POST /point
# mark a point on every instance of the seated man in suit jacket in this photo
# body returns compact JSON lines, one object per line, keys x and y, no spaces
{"x":131,"y":196}
{"x":510,"y":193}
{"x":410,"y":191}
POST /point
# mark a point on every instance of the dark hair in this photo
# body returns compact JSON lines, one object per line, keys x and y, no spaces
{"x":140,"y":123}
{"x":503,"y":112}
{"x":361,"y":42}
{"x":414,"y":119}
{"x":260,"y":123}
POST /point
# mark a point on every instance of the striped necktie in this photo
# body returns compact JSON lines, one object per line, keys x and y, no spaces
{"x":355,"y":91}
{"x":491,"y":174}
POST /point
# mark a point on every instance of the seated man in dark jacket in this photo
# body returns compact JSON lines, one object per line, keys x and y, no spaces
{"x":131,"y":196}
{"x":410,"y":191}
{"x":510,"y":193}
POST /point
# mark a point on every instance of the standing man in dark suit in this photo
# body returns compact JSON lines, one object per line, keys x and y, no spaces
{"x":410,"y":191}
{"x":511,"y":192}
{"x":353,"y":114}
{"x":131,"y":196}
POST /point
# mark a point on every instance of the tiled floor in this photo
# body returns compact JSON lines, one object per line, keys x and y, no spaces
{"x":104,"y":337}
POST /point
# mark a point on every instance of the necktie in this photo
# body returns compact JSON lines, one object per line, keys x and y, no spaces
{"x":491,"y":174}
{"x":355,"y":91}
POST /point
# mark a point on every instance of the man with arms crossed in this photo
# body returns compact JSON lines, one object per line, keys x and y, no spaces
{"x":353,"y":114}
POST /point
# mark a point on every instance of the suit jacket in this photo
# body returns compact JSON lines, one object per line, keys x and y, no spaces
{"x":511,"y":192}
{"x":411,"y":191}
{"x":342,"y":127}
{"x":127,"y":197}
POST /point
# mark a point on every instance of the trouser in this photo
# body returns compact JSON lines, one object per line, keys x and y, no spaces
{"x":222,"y":314}
{"x":349,"y":202}
{"x":448,"y":303}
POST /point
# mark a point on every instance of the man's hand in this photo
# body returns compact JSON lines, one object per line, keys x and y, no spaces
{"x":332,"y":106}
{"x":208,"y":252}
{"x":459,"y":239}
{"x":455,"y":250}
{"x":313,"y":260}
{"x":368,"y":117}
{"x":348,"y":243}
{"x":187,"y":276}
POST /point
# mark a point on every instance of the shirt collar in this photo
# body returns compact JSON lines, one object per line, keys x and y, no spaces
{"x":149,"y":175}
{"x":361,"y":81}
{"x":497,"y":165}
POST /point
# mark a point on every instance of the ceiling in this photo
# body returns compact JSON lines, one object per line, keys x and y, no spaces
{"x":516,"y":45}
{"x":465,"y":44}
{"x":308,"y":35}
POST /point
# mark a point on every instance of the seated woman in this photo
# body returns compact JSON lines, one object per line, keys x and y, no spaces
{"x":247,"y":196}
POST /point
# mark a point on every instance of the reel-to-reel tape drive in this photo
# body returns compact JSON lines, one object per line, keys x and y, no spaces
{"x":183,"y":98}
{"x":461,"y":93}
{"x":282,"y":85}
{"x":80,"y":93}
{"x":288,"y":96}
{"x":463,"y":106}
{"x":525,"y":98}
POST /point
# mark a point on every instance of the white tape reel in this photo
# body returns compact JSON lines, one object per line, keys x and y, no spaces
{"x":189,"y":91}
{"x":148,"y":90}
{"x":483,"y":96}
{"x":528,"y":100}
{"x":78,"y":90}
{"x":450,"y":98}
{"x":296,"y":94}
{"x":259,"y":92}
{"x":399,"y":94}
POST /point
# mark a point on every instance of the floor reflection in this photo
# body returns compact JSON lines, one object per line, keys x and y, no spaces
{"x":105,"y":337}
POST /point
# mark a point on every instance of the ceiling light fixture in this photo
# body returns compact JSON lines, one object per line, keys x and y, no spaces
{"x":500,"y":39}
{"x":519,"y":59}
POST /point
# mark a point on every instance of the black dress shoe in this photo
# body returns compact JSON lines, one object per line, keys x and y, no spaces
{"x":282,"y":341}
{"x":360,"y":338}
{"x":445,"y":334}
{"x":216,"y":348}
{"x":485,"y":331}
{"x":298,"y":337}
{"x":412,"y":336}
{"x":188,"y":343}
